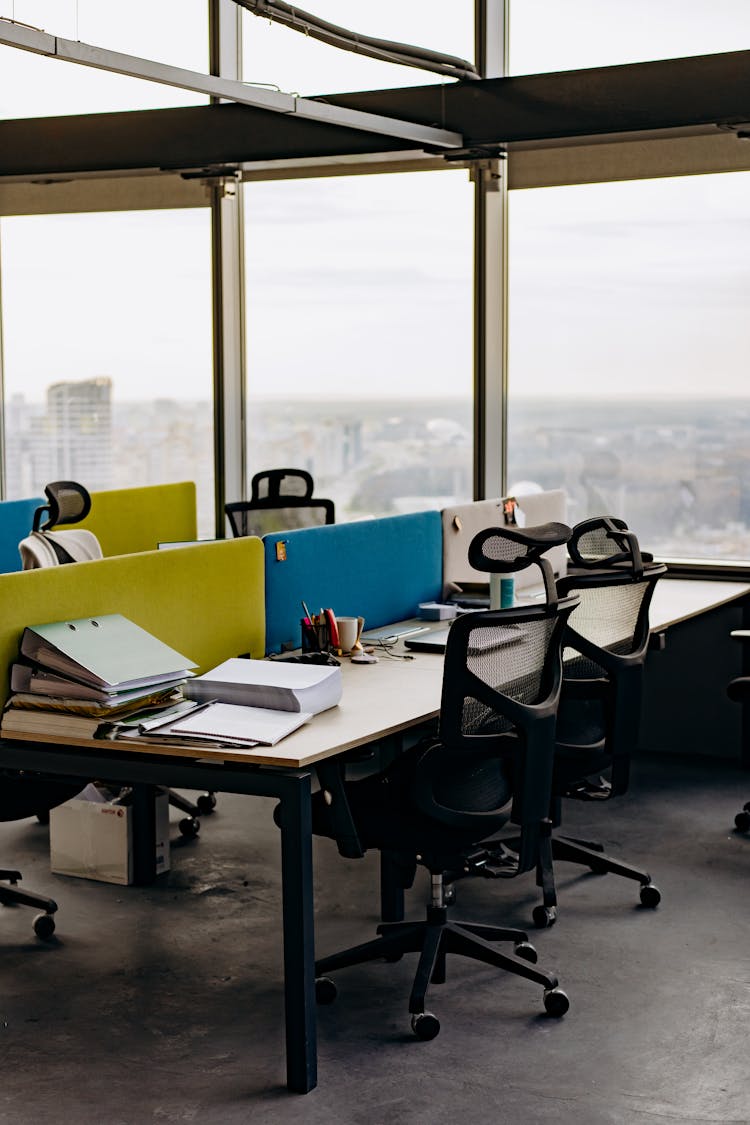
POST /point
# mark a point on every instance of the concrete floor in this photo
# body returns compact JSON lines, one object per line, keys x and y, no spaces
{"x":164,"y":1004}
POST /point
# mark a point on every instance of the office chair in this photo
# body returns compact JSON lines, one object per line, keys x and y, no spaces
{"x":68,"y":502}
{"x":739,"y":691}
{"x":605,"y":648}
{"x":490,"y":763}
{"x":280,"y":500}
{"x":23,"y":796}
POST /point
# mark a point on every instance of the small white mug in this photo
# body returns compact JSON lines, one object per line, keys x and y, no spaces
{"x":350,"y":629}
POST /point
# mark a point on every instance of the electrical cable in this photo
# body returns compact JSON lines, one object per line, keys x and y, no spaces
{"x":404,"y":54}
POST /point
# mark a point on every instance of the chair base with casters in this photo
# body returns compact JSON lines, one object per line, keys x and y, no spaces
{"x":190,"y":825}
{"x":433,"y":939}
{"x":742,"y":820}
{"x":11,"y":895}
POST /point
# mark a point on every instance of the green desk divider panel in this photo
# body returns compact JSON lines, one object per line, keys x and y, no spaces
{"x":380,"y":569}
{"x":16,"y":521}
{"x":206,"y":601}
{"x":126,"y":520}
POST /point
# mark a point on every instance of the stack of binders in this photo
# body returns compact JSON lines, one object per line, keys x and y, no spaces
{"x":85,"y":677}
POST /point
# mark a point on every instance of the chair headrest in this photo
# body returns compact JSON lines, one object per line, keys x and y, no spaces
{"x":502,"y":550}
{"x":602,"y":542}
{"x":69,"y":502}
{"x":273,"y":484}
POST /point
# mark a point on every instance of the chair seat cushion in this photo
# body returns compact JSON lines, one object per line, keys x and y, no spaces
{"x":386,"y":815}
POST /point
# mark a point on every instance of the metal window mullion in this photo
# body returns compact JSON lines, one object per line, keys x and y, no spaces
{"x":490,"y":276}
{"x":227,"y":268}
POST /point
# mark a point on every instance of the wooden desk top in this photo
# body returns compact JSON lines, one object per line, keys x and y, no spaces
{"x":679,"y":599}
{"x":393,"y":695}
{"x":378,"y":700}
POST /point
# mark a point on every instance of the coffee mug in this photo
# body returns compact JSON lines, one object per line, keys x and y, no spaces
{"x":350,"y":629}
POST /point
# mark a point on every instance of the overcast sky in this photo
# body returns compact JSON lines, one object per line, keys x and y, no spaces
{"x":363,"y":286}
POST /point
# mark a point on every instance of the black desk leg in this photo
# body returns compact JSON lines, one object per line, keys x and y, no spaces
{"x":391,"y":890}
{"x":144,"y":833}
{"x":299,"y":941}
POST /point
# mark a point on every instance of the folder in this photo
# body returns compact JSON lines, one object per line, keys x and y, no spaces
{"x":109,"y":652}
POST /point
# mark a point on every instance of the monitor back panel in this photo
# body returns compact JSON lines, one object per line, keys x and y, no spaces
{"x":379,"y":569}
{"x":463,"y":521}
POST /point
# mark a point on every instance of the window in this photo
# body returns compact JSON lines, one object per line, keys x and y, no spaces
{"x":300,"y":64}
{"x":359,"y":336}
{"x":628,"y":373}
{"x":546,"y":35}
{"x":107,"y":351}
{"x":170,"y":31}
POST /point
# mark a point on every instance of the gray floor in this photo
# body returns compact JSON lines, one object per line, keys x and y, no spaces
{"x":164,"y":1004}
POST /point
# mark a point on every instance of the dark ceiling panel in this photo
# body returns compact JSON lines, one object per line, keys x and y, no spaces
{"x":668,"y":94}
{"x":194,"y":137}
{"x":672,"y":94}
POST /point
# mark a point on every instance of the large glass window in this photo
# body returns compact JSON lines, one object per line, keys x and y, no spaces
{"x":546,"y":35}
{"x":169,"y":31}
{"x":359,"y":336}
{"x":628,"y":368}
{"x":300,"y":64}
{"x":107,"y":351}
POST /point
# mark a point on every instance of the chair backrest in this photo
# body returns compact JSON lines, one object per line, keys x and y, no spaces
{"x":280,"y":500}
{"x":501,"y":684}
{"x":606,"y":639}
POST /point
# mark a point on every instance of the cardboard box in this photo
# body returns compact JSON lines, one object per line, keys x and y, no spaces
{"x":94,"y":839}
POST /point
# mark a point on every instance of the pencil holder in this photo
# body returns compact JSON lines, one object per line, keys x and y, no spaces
{"x":315,"y":637}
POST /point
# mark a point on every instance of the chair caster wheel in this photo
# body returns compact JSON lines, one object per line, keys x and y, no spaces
{"x":425,"y":1026}
{"x":325,"y":990}
{"x":556,"y":1002}
{"x":650,"y":895}
{"x":742,"y":821}
{"x":44,"y":926}
{"x":526,"y":951}
{"x":189,"y":827}
{"x":206,"y":804}
{"x":544,"y":916}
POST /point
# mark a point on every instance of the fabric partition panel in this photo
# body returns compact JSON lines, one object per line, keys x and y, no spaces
{"x":206,"y":601}
{"x":16,"y":521}
{"x":380,"y":569}
{"x":126,"y":520}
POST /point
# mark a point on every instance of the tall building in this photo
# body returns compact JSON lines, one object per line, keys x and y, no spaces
{"x":79,"y":416}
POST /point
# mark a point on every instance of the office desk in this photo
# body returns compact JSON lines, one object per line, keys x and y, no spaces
{"x":378,"y":700}
{"x":679,"y":599}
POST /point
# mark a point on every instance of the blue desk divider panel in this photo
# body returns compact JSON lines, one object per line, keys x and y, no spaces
{"x":16,"y":521}
{"x":380,"y":569}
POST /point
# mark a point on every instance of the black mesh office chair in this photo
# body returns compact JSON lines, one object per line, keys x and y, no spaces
{"x":280,"y":500}
{"x":69,"y":502}
{"x":23,"y":796}
{"x":490,"y":763}
{"x":739,"y":691}
{"x":605,"y":648}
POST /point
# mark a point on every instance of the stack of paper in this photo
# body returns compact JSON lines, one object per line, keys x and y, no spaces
{"x":273,"y":684}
